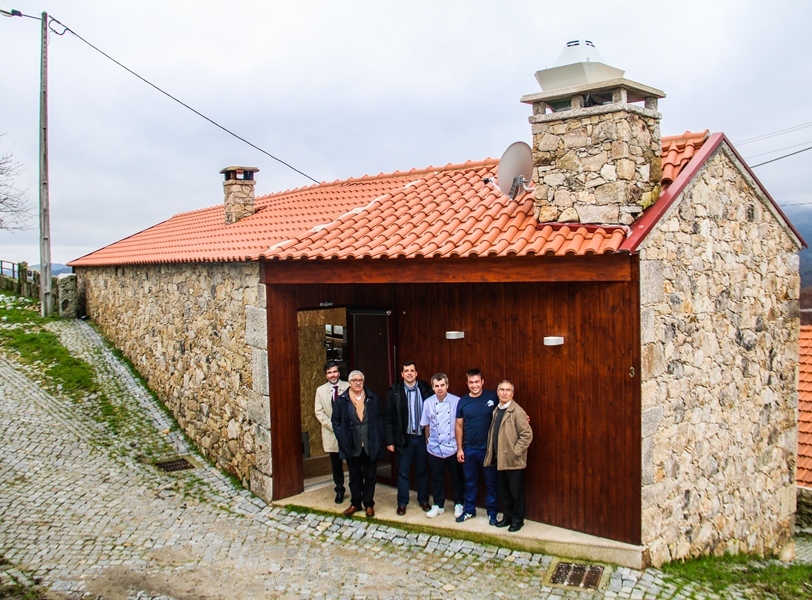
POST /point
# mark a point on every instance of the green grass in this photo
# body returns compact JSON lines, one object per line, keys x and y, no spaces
{"x":14,"y":590}
{"x":42,"y":346}
{"x":767,"y":578}
{"x":23,"y":332}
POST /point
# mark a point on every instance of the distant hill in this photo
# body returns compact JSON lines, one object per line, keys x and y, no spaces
{"x":56,"y":268}
{"x":801,"y":217}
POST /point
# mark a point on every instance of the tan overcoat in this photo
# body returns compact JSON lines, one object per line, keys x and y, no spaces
{"x":324,"y":411}
{"x":515,"y":436}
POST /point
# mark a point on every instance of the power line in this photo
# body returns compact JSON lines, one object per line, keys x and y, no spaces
{"x":777,"y":150}
{"x":766,"y":162}
{"x":198,"y":113}
{"x":773,"y":134}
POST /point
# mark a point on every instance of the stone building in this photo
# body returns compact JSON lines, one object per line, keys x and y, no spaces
{"x":643,"y":298}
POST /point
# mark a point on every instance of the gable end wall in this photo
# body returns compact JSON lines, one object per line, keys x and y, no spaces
{"x":197,"y":333}
{"x":719,"y":331}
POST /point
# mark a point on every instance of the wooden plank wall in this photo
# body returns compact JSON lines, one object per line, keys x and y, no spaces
{"x":584,"y":464}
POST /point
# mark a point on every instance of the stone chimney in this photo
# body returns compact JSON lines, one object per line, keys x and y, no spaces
{"x":239,"y":192}
{"x":596,"y":141}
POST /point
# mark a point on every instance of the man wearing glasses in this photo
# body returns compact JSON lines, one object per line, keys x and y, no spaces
{"x":509,"y":438}
{"x":358,"y":427}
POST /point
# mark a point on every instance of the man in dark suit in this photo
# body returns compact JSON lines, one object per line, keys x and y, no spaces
{"x":404,"y":435}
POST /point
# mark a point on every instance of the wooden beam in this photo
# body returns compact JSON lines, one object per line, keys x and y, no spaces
{"x":515,"y":269}
{"x":286,"y":409}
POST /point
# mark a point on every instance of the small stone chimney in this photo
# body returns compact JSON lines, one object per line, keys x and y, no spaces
{"x":239,"y":192}
{"x":596,"y":141}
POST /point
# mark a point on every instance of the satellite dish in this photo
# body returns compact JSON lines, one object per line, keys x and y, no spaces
{"x":515,"y":169}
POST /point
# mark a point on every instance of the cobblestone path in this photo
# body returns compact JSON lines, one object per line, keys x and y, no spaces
{"x":83,"y":512}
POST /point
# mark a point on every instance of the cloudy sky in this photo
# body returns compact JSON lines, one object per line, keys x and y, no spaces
{"x":343,"y":89}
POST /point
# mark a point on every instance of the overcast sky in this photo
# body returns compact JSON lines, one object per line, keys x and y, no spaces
{"x":343,"y":89}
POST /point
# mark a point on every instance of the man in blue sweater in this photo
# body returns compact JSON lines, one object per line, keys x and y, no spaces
{"x":474,"y":415}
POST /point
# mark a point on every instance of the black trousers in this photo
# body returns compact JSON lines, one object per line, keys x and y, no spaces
{"x":511,"y":492}
{"x":438,"y":468}
{"x":338,"y":471}
{"x":363,"y":475}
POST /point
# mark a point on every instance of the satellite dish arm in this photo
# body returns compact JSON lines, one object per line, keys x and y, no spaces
{"x":519,"y":181}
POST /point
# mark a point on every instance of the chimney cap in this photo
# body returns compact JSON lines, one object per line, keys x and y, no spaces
{"x":578,"y":64}
{"x":236,"y":172}
{"x":637,"y":92}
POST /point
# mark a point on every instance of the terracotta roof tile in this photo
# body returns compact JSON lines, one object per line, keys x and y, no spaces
{"x":678,"y":151}
{"x":804,"y":466}
{"x":438,"y":211}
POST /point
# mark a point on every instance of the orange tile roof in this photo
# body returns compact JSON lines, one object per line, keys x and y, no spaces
{"x":446,"y":212}
{"x":803,"y":475}
{"x":678,"y":150}
{"x":434,"y":212}
{"x":203,"y":236}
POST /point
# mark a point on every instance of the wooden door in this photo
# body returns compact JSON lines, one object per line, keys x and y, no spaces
{"x":371,"y":348}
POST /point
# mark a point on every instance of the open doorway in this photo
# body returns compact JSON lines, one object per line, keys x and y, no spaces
{"x":354,"y":338}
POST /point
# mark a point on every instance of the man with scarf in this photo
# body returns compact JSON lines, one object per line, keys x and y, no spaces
{"x":404,"y":434}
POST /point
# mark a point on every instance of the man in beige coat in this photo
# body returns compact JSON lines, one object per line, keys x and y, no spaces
{"x":508,"y":440}
{"x":326,"y":396}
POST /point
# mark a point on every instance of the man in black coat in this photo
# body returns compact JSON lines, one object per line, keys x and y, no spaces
{"x":358,"y":426}
{"x":404,"y":435}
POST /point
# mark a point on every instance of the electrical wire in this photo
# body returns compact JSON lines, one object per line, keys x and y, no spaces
{"x":766,"y":162}
{"x":279,"y":160}
{"x":198,"y":113}
{"x":777,"y":150}
{"x":773,"y":134}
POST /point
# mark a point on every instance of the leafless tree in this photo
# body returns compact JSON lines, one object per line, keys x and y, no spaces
{"x":15,"y":212}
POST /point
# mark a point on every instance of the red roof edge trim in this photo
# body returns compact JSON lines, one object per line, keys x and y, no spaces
{"x":642,"y":227}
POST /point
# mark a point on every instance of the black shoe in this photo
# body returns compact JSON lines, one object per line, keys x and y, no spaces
{"x":502,"y":523}
{"x":340,"y":497}
{"x":515,"y":527}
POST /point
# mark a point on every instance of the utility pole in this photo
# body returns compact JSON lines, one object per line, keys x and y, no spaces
{"x":45,"y":295}
{"x":45,"y":285}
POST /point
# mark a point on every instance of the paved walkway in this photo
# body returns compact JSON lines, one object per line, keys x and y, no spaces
{"x":84,"y":514}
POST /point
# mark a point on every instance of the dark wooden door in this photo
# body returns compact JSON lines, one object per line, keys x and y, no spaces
{"x":371,"y":348}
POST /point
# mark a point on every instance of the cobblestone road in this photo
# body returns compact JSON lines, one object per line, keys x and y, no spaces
{"x":83,"y":512}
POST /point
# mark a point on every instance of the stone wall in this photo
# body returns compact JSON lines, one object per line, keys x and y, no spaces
{"x":803,"y":516}
{"x":197,"y":333}
{"x":22,"y":285}
{"x":719,"y":326}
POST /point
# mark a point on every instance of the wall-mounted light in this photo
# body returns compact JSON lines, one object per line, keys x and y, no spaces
{"x":454,"y":335}
{"x":553,"y":340}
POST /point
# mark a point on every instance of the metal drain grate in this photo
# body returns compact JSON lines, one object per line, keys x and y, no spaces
{"x":577,"y":575}
{"x":174,"y":464}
